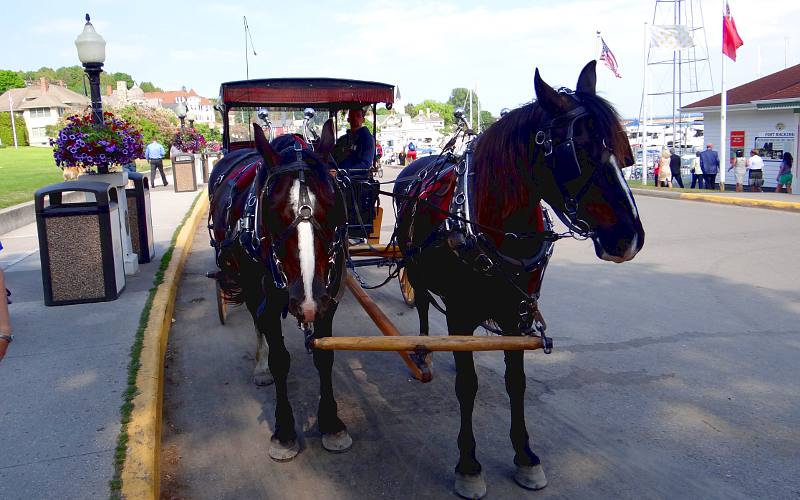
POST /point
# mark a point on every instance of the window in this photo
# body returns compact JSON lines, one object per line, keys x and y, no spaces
{"x":40,"y":113}
{"x":38,"y":132}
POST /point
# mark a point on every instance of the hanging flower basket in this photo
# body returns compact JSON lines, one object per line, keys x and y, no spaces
{"x":81,"y":143}
{"x":189,"y":140}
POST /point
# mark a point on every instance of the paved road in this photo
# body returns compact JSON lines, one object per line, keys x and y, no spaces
{"x":674,"y":376}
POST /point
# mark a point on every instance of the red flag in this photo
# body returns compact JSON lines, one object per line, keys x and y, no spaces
{"x":730,"y":37}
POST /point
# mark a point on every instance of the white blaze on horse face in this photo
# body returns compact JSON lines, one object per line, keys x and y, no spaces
{"x":305,"y":244}
{"x":624,"y":184}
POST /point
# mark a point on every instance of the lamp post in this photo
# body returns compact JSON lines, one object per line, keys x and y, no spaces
{"x":191,"y":117}
{"x":181,"y":111}
{"x":92,"y":53}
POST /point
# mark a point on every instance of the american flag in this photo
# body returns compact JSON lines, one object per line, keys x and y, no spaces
{"x":608,"y":57}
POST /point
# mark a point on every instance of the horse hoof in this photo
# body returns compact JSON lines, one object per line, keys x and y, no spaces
{"x":283,"y":452}
{"x":530,"y":477}
{"x":470,"y":486}
{"x":339,"y":442}
{"x":263,"y":379}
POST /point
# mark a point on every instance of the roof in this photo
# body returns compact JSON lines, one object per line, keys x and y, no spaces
{"x":169,"y":96}
{"x":33,"y":96}
{"x":337,"y":93}
{"x":783,"y":85}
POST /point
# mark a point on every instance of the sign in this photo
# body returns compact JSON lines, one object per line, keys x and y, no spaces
{"x":737,"y":138}
{"x":771,"y":145}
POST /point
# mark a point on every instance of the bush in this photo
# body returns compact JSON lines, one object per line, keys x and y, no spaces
{"x":6,"y":135}
{"x":151,"y":122}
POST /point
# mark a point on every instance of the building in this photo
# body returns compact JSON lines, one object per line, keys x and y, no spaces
{"x":41,"y":105}
{"x":201,"y":107}
{"x":763,"y":114}
{"x":123,"y":96}
{"x":397,"y":129}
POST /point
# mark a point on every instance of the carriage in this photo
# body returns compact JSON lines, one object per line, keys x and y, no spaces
{"x":289,"y":228}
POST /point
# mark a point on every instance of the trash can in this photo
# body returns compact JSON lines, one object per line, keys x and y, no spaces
{"x":183,"y":173}
{"x":205,"y":168}
{"x":80,"y":244}
{"x":140,"y":218}
{"x":198,"y":168}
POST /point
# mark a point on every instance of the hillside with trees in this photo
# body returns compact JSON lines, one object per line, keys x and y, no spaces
{"x":73,"y":77}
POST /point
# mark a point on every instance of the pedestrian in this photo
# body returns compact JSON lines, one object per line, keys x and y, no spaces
{"x":709,"y":164}
{"x":755,"y":167}
{"x":664,"y":170}
{"x":785,"y":173}
{"x":5,"y":321}
{"x":412,"y":152}
{"x":154,"y":153}
{"x":739,"y":166}
{"x":675,"y":167}
{"x":697,"y":173}
{"x":656,"y":170}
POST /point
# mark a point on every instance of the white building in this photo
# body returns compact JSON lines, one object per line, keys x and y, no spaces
{"x":41,"y":105}
{"x":201,"y":107}
{"x":763,"y":114}
{"x":397,"y":129}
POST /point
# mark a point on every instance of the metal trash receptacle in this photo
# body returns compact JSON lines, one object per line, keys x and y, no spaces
{"x":80,"y":244}
{"x":140,"y":218}
{"x":183,"y":173}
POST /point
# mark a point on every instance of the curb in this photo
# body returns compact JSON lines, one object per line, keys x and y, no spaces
{"x":786,"y":206}
{"x":141,"y":471}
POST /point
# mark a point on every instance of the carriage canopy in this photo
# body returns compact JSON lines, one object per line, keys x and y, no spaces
{"x":331,"y":93}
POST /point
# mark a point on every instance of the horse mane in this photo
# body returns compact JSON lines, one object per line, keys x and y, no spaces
{"x":507,"y":150}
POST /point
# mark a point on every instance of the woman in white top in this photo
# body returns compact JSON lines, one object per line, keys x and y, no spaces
{"x":664,"y":172}
{"x":739,"y":167}
{"x":756,"y":167}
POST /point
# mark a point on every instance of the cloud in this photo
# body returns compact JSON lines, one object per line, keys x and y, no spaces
{"x":209,"y":56}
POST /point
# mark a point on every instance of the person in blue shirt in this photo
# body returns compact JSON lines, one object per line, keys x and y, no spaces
{"x":709,"y":163}
{"x":355,"y":151}
{"x":154,"y":153}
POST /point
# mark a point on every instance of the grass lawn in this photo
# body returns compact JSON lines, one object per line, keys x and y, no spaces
{"x":24,"y":170}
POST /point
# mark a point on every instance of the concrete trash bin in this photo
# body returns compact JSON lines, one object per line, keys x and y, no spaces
{"x":140,"y":218}
{"x":183,"y":173}
{"x":80,"y":244}
{"x":205,"y":168}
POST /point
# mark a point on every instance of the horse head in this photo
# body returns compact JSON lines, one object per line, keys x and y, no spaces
{"x":583,"y":146}
{"x":302,"y":220}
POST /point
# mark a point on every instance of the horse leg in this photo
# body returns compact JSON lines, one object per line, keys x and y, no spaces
{"x":334,"y":433}
{"x":529,"y":472}
{"x":283,"y":444}
{"x":469,"y":481}
{"x":261,"y":374}
{"x":424,"y":359}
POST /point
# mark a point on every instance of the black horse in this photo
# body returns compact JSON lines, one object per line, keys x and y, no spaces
{"x":278,"y":222}
{"x":486,"y":263}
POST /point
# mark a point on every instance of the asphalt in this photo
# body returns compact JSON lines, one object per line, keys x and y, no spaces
{"x":63,"y":378}
{"x":61,"y":383}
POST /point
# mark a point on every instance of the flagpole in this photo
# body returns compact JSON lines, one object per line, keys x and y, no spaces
{"x":13,"y":125}
{"x":724,"y":154}
{"x":597,"y":46}
{"x":643,"y":125}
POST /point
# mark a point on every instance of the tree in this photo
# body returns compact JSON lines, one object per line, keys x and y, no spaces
{"x":151,"y":122}
{"x":445,"y":111}
{"x":6,"y":135}
{"x":10,"y":80}
{"x":149,"y":87}
{"x":409,"y":109}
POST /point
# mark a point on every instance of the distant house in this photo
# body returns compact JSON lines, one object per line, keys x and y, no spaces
{"x":763,"y":114}
{"x":397,"y":129}
{"x":123,"y":96}
{"x":41,"y":105}
{"x":202,"y":107}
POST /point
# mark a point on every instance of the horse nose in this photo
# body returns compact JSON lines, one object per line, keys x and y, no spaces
{"x":309,"y":311}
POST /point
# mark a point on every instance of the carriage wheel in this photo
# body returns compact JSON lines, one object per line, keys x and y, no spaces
{"x":222,"y":306}
{"x":406,"y":289}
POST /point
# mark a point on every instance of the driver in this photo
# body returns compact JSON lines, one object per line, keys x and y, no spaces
{"x":355,"y":151}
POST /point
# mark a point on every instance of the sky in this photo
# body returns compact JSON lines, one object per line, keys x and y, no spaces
{"x":425,"y":47}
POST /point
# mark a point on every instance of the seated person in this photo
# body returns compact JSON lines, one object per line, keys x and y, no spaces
{"x":355,"y":151}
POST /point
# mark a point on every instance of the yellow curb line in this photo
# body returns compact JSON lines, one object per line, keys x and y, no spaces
{"x":140,"y":473}
{"x":744,"y":202}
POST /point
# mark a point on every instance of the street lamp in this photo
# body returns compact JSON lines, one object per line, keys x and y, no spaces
{"x":181,"y":111}
{"x":191,"y":117}
{"x":92,"y":53}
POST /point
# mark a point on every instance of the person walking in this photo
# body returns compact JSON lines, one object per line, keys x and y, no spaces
{"x":739,"y":166}
{"x":664,"y":171}
{"x":785,"y":173}
{"x":755,"y":165}
{"x":154,"y":153}
{"x":697,"y":173}
{"x":709,"y":164}
{"x":675,"y":167}
{"x":5,"y":322}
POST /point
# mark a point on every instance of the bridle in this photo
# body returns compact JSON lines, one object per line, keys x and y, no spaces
{"x":305,"y":213}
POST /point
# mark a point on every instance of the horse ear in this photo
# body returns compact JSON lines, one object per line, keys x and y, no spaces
{"x":263,"y":146}
{"x":326,"y":140}
{"x":546,"y":96}
{"x":587,"y":81}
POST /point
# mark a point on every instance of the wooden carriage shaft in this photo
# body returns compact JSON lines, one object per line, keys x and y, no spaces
{"x":380,"y":319}
{"x":413,"y":343}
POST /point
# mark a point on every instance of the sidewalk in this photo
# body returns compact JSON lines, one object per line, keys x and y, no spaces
{"x":62,"y":381}
{"x":774,"y":201}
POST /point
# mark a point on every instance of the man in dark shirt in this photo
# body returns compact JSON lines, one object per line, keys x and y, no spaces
{"x":675,"y":167}
{"x":709,"y":162}
{"x":355,"y":151}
